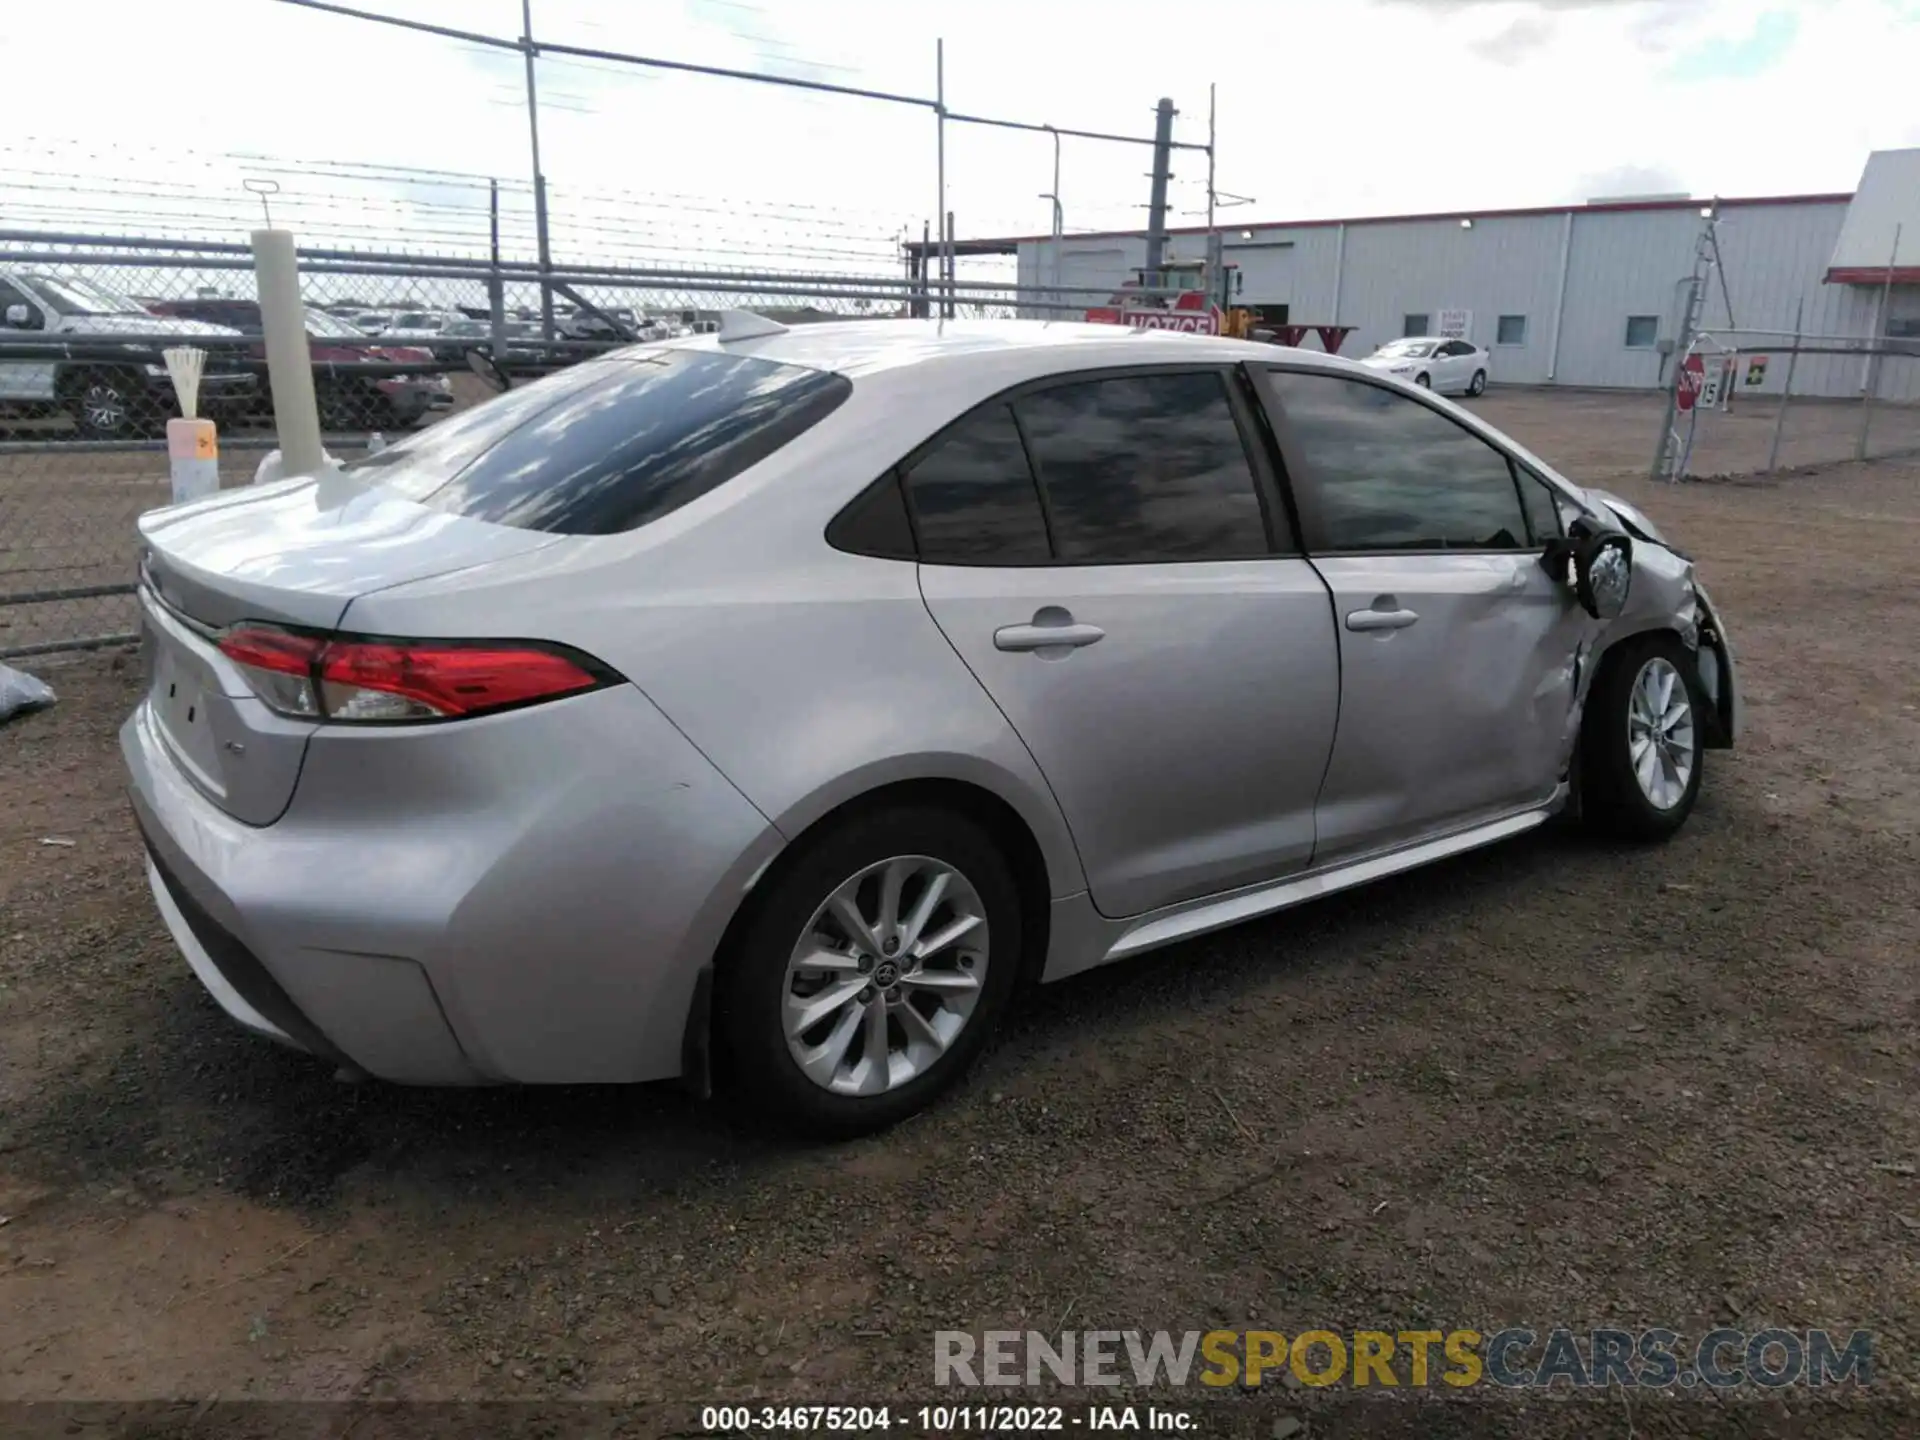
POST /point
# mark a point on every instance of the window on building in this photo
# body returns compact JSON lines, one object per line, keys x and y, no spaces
{"x":1512,"y":330}
{"x":1642,"y":331}
{"x":1414,"y":325}
{"x":1903,"y":327}
{"x":1144,"y":468}
{"x":974,"y":499}
{"x":1389,"y":473}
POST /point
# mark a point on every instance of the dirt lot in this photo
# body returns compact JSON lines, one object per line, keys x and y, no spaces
{"x":1550,"y":1083}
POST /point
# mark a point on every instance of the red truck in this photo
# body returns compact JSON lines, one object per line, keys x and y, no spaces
{"x":346,"y":401}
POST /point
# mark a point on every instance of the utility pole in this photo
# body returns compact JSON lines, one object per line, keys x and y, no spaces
{"x":539,"y":178}
{"x":1216,"y":248}
{"x":1157,"y":199}
{"x":1059,"y":222}
{"x":941,"y":216}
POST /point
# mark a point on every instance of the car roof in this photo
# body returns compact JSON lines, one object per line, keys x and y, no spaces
{"x":864,"y":347}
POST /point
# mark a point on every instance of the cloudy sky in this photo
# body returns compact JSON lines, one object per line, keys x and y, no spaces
{"x":1325,"y":108}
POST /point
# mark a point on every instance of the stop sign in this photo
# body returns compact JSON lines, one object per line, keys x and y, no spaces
{"x":1692,"y":376}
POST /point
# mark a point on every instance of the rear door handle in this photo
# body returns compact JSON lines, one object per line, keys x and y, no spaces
{"x":1052,"y":628}
{"x":1380,"y":619}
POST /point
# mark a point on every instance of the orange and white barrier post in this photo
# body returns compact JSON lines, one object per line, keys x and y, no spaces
{"x":193,"y":446}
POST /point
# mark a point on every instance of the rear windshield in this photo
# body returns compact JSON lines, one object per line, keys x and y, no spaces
{"x":608,"y":445}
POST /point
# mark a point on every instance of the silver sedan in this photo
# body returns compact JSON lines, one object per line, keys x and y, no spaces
{"x":762,"y":708}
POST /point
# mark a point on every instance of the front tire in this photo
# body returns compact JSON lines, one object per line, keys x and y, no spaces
{"x":1641,"y":758}
{"x":1425,"y":382}
{"x":871,"y":971}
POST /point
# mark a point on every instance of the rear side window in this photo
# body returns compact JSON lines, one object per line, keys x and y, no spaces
{"x":973,"y":495}
{"x":1144,"y":468}
{"x":609,"y":445}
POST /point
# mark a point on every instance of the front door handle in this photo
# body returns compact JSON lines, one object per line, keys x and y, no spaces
{"x":1053,"y":628}
{"x":1380,"y":619}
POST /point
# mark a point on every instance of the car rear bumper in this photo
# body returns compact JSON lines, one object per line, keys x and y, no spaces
{"x":524,"y":897}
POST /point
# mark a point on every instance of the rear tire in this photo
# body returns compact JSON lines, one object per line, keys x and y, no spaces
{"x":821,"y":1066}
{"x":1478,"y":386}
{"x":1641,"y":756}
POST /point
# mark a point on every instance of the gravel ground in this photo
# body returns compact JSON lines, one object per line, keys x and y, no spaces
{"x":1553,"y":1082}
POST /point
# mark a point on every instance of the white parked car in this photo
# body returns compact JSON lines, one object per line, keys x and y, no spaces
{"x":110,"y":381}
{"x":1452,"y":367}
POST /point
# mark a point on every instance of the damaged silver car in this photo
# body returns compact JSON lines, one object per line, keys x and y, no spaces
{"x":761,"y":708}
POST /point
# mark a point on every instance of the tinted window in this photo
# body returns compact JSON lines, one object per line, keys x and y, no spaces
{"x":1144,"y":467}
{"x":609,"y":445}
{"x":973,"y":495}
{"x":1388,"y":473}
{"x":876,"y":524}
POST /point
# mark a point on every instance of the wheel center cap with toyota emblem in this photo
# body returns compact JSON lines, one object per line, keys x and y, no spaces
{"x":886,"y":974}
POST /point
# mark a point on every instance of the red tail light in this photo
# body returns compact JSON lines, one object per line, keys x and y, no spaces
{"x":383,"y":681}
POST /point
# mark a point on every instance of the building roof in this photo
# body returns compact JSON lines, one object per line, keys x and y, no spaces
{"x":1591,"y":207}
{"x":1880,"y":238}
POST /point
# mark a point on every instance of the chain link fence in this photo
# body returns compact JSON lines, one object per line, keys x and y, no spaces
{"x":85,"y":391}
{"x":1754,"y":414}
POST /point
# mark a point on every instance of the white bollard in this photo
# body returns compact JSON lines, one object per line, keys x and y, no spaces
{"x":283,"y":316}
{"x":273,"y":466}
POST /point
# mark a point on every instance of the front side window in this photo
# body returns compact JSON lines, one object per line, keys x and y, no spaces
{"x":1542,"y":504}
{"x":973,"y":495}
{"x":1385,"y":472}
{"x":1144,"y":468}
{"x":609,"y":445}
{"x":1642,"y":331}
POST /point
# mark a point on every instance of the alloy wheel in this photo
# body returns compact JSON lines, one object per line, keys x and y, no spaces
{"x":885,"y":975}
{"x":103,"y":406}
{"x":1660,"y":734}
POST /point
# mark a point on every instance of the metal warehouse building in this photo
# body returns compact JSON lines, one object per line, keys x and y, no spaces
{"x":1589,"y":295}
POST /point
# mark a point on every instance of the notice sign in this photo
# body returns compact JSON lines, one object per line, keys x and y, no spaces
{"x":1756,"y":370}
{"x":1455,"y":324}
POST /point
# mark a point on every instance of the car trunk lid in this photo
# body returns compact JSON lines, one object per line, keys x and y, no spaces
{"x":292,"y":554}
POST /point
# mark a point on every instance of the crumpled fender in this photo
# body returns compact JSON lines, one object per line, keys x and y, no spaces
{"x":1663,"y":596}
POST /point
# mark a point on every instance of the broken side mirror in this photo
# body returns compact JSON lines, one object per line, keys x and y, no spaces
{"x":1596,"y":564}
{"x":489,"y":369}
{"x":1603,"y":572}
